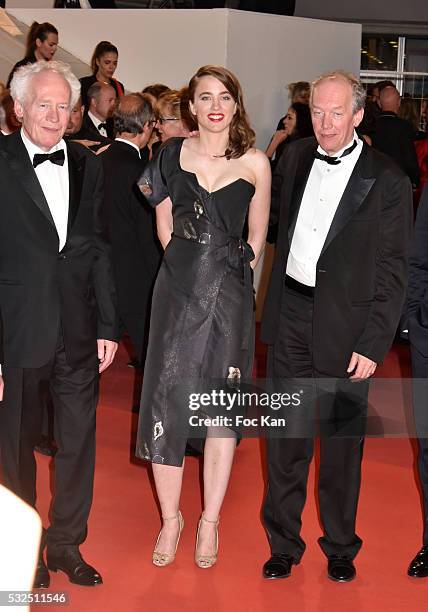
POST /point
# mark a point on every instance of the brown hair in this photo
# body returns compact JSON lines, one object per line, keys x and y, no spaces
{"x":241,"y":135}
{"x":156,"y":90}
{"x":101,"y":49}
{"x":408,"y":110}
{"x":299,"y":92}
{"x":38,"y":31}
{"x":186,"y":116}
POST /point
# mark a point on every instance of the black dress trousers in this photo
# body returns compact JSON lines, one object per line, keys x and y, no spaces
{"x":74,"y":395}
{"x":333,"y":408}
{"x":420,"y":410}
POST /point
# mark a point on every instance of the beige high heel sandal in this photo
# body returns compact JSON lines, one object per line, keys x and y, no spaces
{"x":206,"y":561}
{"x":163,"y":558}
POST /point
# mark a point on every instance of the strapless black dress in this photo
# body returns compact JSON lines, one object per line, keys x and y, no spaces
{"x":202,"y":319}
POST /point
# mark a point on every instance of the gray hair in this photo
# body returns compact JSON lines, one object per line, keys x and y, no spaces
{"x":358,"y":91}
{"x":131,"y":114}
{"x":95,"y":90}
{"x":23,"y":76}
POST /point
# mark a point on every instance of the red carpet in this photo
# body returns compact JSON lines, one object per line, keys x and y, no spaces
{"x":125,"y":521}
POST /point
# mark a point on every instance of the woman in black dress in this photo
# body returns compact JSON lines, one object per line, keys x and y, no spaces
{"x":103,"y":63}
{"x":42,"y":43}
{"x":202,"y":327}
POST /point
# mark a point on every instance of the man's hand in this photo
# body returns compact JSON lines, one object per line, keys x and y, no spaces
{"x":363,"y":366}
{"x":1,"y":387}
{"x":88,"y":143}
{"x":106,"y":352}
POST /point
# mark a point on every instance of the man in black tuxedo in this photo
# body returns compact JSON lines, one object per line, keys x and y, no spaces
{"x":57,"y":307}
{"x":394,"y":135}
{"x":97,"y":121}
{"x":331,"y":312}
{"x":418,"y":335}
{"x":131,"y":221}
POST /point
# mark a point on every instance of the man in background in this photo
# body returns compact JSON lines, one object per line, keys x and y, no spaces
{"x":131,"y":221}
{"x":394,"y":136}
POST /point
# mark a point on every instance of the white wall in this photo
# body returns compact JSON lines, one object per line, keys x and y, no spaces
{"x":167,"y":46}
{"x":154,"y":45}
{"x":269,"y":51}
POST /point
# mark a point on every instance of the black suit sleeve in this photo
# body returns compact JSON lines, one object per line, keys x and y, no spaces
{"x":105,"y":292}
{"x":418,"y":280}
{"x":410,"y":159}
{"x":152,"y":182}
{"x":391,"y":268}
{"x":418,"y":260}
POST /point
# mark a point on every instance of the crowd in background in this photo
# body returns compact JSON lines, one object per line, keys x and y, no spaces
{"x":393,"y":124}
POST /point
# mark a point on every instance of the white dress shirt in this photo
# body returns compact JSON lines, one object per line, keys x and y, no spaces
{"x":54,"y":182}
{"x":323,"y":192}
{"x":131,"y":144}
{"x":97,"y":122}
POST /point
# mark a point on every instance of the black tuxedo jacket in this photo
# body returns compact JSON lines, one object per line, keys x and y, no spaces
{"x":418,"y":279}
{"x":40,"y":288}
{"x":394,"y":137}
{"x":88,"y":131}
{"x":131,"y":226}
{"x":362,"y":269}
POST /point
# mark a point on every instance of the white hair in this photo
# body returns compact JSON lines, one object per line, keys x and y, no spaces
{"x":23,"y":76}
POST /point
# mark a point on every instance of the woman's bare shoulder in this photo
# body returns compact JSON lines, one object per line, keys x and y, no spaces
{"x":256,"y":159}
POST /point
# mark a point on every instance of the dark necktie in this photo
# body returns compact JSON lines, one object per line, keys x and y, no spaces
{"x":333,"y":161}
{"x":101,"y":126}
{"x":57,"y":157}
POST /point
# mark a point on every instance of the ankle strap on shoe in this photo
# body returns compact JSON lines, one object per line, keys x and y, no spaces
{"x":171,"y":518}
{"x":208,"y":521}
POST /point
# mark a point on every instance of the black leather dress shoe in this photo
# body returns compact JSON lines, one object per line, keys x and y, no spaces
{"x":418,"y":567}
{"x":77,"y":570}
{"x":341,"y":569}
{"x":42,"y":579}
{"x":278,"y":566}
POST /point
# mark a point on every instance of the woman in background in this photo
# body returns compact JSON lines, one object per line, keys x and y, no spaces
{"x":296,"y":124}
{"x":42,"y":43}
{"x":103,"y":64}
{"x":171,"y":122}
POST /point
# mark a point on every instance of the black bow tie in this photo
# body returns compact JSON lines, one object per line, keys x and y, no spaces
{"x":57,"y":157}
{"x":102,"y":125}
{"x":333,"y":161}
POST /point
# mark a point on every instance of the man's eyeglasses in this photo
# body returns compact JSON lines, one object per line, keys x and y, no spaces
{"x":166,"y":119}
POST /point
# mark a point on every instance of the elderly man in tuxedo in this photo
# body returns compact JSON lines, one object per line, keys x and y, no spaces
{"x":57,"y":307}
{"x":333,"y":304}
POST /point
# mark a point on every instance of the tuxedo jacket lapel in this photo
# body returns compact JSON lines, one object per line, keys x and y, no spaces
{"x":357,"y":189}
{"x":22,"y":167}
{"x":304,"y":167}
{"x":76,"y":166}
